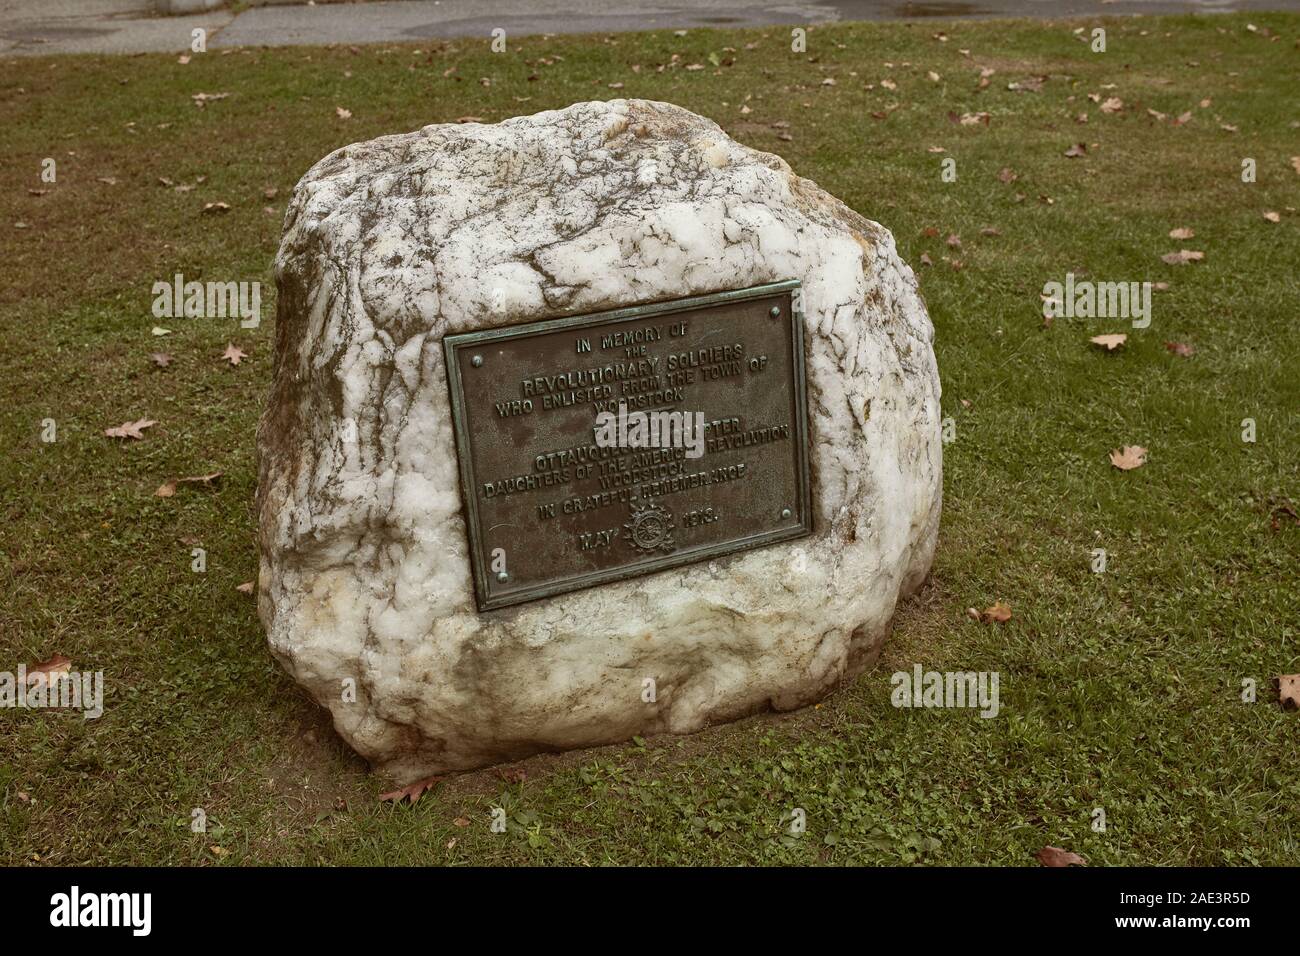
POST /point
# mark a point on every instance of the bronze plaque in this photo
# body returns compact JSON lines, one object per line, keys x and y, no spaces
{"x":560,"y":497}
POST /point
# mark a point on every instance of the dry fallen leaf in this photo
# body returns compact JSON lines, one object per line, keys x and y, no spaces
{"x":411,"y":792}
{"x":212,"y":207}
{"x":1129,"y":457}
{"x":1295,"y":164}
{"x":1112,"y":105}
{"x":130,"y":429}
{"x":342,"y":113}
{"x":245,"y":588}
{"x":1007,"y":175}
{"x":1181,"y":348}
{"x":1078,"y":149}
{"x":1111,"y":341}
{"x":461,"y":822}
{"x":1182,"y":257}
{"x":161,"y":359}
{"x":165,"y":490}
{"x":1288,"y":691}
{"x":233,"y":354}
{"x":999,"y":612}
{"x":1055,"y":856}
{"x":1182,"y":232}
{"x":1272,"y":216}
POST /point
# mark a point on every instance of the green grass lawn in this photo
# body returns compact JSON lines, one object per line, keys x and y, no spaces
{"x":1120,"y":690}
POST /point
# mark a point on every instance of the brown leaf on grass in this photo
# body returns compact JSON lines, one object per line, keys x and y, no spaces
{"x":1272,"y":216}
{"x":412,"y":791}
{"x":999,"y":613}
{"x":1078,"y":149}
{"x":341,"y":113}
{"x":270,"y":192}
{"x":1295,"y":164}
{"x":460,"y":822}
{"x":1128,"y":457}
{"x":245,"y":588}
{"x":954,"y":240}
{"x":1181,"y":348}
{"x":1055,"y":856}
{"x":58,"y":664}
{"x":1111,"y":342}
{"x":161,"y":359}
{"x":215,"y":207}
{"x":974,"y":119}
{"x":990,"y":231}
{"x":1182,"y":232}
{"x":1183,"y":118}
{"x":1007,"y":175}
{"x":234,"y":354}
{"x":165,"y":490}
{"x":130,"y":429}
{"x":1182,"y":257}
{"x":926,"y":260}
{"x":1112,"y":104}
{"x":1288,"y":691}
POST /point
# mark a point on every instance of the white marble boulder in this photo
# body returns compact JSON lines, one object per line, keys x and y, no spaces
{"x":365,"y":588}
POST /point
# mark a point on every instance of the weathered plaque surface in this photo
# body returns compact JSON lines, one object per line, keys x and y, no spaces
{"x":550,"y":510}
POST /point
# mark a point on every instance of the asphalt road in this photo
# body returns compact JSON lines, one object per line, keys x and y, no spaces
{"x":36,"y":27}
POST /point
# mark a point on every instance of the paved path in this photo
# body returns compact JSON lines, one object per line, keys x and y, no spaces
{"x":35,"y":27}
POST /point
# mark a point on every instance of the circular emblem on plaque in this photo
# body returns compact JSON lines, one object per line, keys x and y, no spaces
{"x":651,"y":528}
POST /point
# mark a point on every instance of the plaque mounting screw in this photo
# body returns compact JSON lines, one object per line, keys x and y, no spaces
{"x":476,"y":361}
{"x":501,"y":575}
{"x":785,"y":512}
{"x":775,"y":312}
